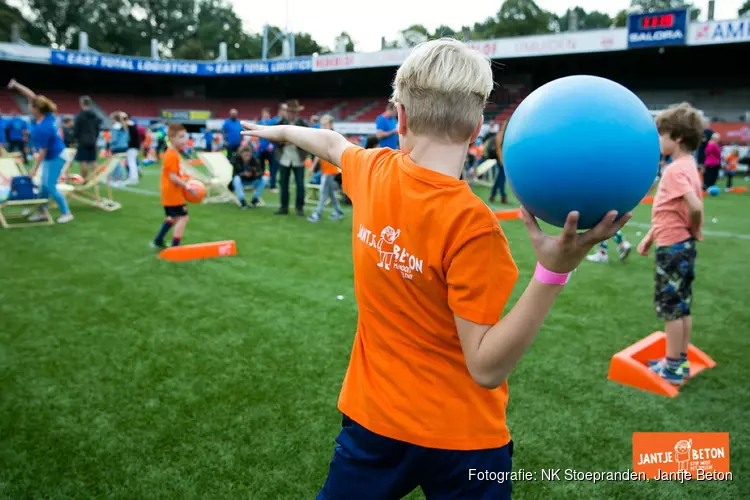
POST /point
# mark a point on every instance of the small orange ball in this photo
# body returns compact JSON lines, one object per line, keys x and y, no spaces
{"x":197,"y":186}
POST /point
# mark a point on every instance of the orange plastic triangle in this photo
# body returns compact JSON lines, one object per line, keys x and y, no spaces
{"x":630,"y":366}
{"x":199,"y":251}
{"x":512,"y":214}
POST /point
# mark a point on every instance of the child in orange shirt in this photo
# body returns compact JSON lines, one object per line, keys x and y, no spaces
{"x":328,"y":172}
{"x":676,"y":220}
{"x":425,"y":394}
{"x":173,"y":182}
{"x":731,"y":166}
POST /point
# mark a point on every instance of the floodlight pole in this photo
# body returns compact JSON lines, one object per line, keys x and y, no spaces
{"x":272,"y":36}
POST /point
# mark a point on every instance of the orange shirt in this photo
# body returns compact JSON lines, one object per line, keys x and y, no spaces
{"x":424,"y":248}
{"x":669,"y":215}
{"x":171,"y":194}
{"x":732,"y":160}
{"x":327,"y":168}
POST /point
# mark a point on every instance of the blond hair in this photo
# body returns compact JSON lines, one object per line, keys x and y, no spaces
{"x":682,"y":122}
{"x":443,"y":86}
{"x":43,"y":104}
{"x":327,"y":118}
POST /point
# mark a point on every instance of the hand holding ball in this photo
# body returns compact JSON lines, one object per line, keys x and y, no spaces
{"x":195,"y":191}
{"x":584,"y":144}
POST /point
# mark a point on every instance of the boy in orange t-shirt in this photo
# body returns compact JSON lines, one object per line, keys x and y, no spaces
{"x":173,"y":182}
{"x":731,"y":166}
{"x":328,"y":172}
{"x":425,"y":393}
{"x":676,"y":221}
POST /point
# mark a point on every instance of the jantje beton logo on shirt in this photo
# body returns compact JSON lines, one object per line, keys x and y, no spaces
{"x":392,"y":255}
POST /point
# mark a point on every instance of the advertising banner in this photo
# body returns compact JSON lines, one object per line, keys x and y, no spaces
{"x":716,"y":32}
{"x":170,"y":67}
{"x":657,"y":29}
{"x":505,"y":48}
{"x":185,"y":115}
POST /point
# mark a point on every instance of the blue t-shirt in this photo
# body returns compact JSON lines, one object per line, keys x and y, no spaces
{"x":47,"y":136}
{"x":387,"y":124}
{"x":233,"y":132}
{"x":264,"y":143}
{"x":15,"y":127}
{"x":209,"y":138}
{"x":2,"y":130}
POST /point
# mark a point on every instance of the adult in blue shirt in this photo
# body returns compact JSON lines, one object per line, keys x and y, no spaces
{"x":267,"y":149}
{"x":16,"y":133}
{"x":208,"y":137}
{"x":49,"y":146}
{"x":232,"y":129}
{"x":386,"y":127}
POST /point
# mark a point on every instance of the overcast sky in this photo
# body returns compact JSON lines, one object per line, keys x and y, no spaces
{"x":366,"y":22}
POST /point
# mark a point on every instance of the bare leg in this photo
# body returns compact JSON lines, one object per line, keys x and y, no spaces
{"x":179,"y":226}
{"x":687,"y":330}
{"x":675,"y":335}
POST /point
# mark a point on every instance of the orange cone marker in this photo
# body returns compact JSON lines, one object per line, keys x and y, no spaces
{"x":184,"y":253}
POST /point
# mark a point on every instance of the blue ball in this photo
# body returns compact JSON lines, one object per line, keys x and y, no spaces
{"x":581,"y":143}
{"x":714,"y":190}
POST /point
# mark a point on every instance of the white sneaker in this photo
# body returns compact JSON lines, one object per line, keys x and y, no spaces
{"x":598,"y":257}
{"x":37,"y":218}
{"x":623,"y":249}
{"x":64,"y":218}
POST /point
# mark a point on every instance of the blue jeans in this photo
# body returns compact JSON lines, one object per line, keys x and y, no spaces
{"x":51,"y":170}
{"x":239,"y":187}
{"x":328,"y":191}
{"x":499,"y":186}
{"x":367,"y":466}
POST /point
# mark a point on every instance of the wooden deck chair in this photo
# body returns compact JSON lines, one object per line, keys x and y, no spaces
{"x":312,"y":193}
{"x":217,"y":183}
{"x":67,"y":155}
{"x":485,"y":168}
{"x":90,"y":191}
{"x":9,"y":168}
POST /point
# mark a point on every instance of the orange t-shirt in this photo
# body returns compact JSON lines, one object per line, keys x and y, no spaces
{"x":171,"y":194}
{"x":327,"y":168}
{"x":732,"y":160}
{"x":424,"y":248}
{"x":669,"y":214}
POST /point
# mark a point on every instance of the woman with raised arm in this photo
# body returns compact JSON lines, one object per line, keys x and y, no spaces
{"x":49,"y":145}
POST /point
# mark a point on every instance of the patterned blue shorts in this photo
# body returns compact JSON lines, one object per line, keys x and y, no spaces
{"x":675,"y":272}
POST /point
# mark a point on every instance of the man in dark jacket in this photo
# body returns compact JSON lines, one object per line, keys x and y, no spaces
{"x":248,"y":171}
{"x":292,"y":159}
{"x":85,"y":133}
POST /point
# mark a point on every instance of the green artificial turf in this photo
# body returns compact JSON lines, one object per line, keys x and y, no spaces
{"x":126,"y":377}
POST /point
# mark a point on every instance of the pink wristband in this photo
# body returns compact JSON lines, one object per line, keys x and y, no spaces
{"x":546,"y":277}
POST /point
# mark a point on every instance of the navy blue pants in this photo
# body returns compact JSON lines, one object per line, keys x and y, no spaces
{"x":499,"y":185}
{"x":367,"y":466}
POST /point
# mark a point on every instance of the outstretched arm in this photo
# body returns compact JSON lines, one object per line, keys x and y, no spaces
{"x":325,"y":144}
{"x":25,"y":91}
